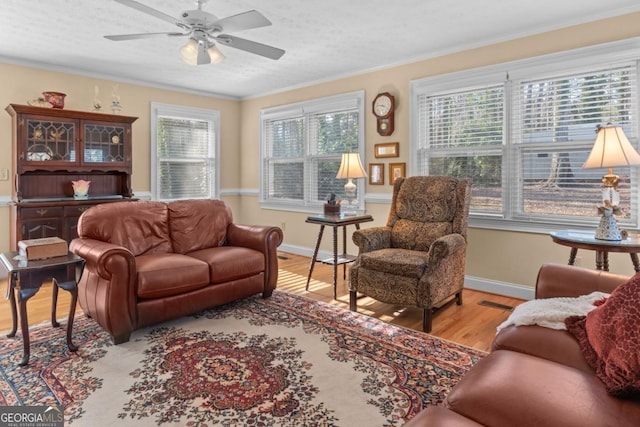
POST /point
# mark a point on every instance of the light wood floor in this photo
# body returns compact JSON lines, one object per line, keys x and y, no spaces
{"x":470,"y":324}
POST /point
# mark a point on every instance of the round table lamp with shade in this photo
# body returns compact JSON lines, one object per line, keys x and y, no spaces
{"x":350,"y":168}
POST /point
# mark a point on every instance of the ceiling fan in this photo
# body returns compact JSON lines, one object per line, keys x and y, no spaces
{"x":203,"y":29}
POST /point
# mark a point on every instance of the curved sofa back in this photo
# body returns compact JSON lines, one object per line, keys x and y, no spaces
{"x":146,"y":227}
{"x":140,"y":226}
{"x":198,"y":224}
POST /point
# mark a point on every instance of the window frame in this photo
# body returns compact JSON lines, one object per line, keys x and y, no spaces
{"x":510,"y":74}
{"x":186,"y":112}
{"x":306,"y":109}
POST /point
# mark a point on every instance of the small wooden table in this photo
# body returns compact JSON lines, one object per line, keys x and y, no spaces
{"x":580,"y":239}
{"x":335,"y":221}
{"x":26,"y":278}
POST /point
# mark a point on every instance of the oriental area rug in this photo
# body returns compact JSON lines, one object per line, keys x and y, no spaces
{"x":281,"y":361}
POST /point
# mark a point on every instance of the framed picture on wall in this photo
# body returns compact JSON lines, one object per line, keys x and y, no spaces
{"x":396,"y":170}
{"x":389,"y":149}
{"x":376,"y":173}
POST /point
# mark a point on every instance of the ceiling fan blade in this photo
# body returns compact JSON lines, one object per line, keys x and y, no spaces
{"x":120,"y":37}
{"x":243,"y":21}
{"x":149,"y":11}
{"x":250,"y":46}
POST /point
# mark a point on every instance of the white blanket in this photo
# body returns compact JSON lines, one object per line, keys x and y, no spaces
{"x":551,"y":312}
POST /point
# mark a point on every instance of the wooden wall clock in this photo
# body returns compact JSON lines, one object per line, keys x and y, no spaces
{"x":384,"y":106}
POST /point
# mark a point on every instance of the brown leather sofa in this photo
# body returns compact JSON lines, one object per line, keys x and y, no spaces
{"x":535,"y":376}
{"x":147,"y":262}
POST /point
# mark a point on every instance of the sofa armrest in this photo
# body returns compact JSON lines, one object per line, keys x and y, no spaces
{"x":372,"y":239}
{"x":106,"y":291}
{"x":262,"y":238}
{"x":558,"y":280}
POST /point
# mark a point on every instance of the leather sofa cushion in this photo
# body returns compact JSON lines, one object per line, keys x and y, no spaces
{"x":227,"y":263}
{"x":435,"y":416}
{"x":507,"y":388}
{"x":198,"y":224}
{"x":141,"y":226}
{"x":164,"y":275}
{"x":551,"y":344}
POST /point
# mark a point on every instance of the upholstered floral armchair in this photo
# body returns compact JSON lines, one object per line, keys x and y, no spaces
{"x":418,"y":258}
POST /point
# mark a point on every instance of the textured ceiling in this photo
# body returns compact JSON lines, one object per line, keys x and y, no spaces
{"x":323,"y":40}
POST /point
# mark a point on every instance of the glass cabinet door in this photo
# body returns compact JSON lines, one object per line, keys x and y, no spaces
{"x":50,"y":141}
{"x":104,"y":143}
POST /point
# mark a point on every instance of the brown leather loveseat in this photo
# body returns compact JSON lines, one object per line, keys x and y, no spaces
{"x":536,"y":376}
{"x":147,"y":261}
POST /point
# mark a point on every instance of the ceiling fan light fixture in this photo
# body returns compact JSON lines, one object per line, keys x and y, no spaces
{"x":197,"y":52}
{"x":215,"y":54}
{"x":189,"y":52}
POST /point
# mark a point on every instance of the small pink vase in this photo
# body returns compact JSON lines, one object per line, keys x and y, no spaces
{"x":80,"y":189}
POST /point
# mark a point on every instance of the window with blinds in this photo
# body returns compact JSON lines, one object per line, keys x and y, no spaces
{"x":522,"y":135}
{"x":302,"y":146}
{"x":461,"y":134}
{"x":184,"y":145}
{"x":553,"y":133}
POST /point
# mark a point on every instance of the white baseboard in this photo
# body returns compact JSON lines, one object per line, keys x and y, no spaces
{"x":470,"y":282}
{"x":499,"y":288}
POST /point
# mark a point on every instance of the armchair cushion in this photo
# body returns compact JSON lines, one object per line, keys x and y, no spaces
{"x":428,"y":201}
{"x":417,"y":236}
{"x":401,"y":262}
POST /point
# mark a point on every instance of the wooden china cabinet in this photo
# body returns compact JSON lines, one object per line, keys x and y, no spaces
{"x":53,"y":147}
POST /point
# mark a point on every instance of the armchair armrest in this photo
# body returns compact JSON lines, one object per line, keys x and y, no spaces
{"x":445,"y":269}
{"x":262,"y":238}
{"x":106,"y":291}
{"x":558,"y":280}
{"x":372,"y":239}
{"x":446,"y":246}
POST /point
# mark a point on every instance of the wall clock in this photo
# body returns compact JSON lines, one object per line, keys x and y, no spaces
{"x":384,"y":105}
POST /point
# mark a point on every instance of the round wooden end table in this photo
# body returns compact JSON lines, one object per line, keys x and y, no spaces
{"x":581,"y":239}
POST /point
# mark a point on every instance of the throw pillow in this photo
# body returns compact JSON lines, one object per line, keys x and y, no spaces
{"x":609,"y":338}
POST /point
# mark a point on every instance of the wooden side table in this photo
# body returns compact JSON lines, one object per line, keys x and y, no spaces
{"x":335,"y":221}
{"x":579,"y":239}
{"x":26,"y":278}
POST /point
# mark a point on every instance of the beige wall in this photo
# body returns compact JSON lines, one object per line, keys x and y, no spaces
{"x":21,"y":84}
{"x":500,"y":256}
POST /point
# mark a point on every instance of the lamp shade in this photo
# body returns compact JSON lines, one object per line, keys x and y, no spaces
{"x":215,"y":55}
{"x":351,"y":167}
{"x":197,"y":52}
{"x":611,"y":149}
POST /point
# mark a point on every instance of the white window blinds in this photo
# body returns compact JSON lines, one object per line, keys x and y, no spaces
{"x":461,"y":134}
{"x":553,"y":132}
{"x":184,"y":155}
{"x":522,"y":134}
{"x":302,"y":145}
